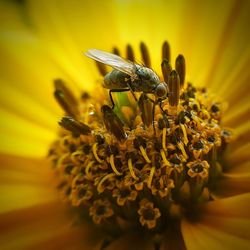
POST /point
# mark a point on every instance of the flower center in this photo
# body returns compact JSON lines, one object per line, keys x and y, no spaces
{"x":139,"y":161}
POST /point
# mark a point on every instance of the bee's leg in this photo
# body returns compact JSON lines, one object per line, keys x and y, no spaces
{"x":115,"y":90}
{"x":160,"y":105}
{"x":132,"y":91}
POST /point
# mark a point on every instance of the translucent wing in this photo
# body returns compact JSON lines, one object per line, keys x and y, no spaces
{"x":112,"y":60}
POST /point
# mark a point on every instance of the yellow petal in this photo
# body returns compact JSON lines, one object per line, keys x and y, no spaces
{"x":224,"y":224}
{"x":24,"y":182}
{"x":233,"y":184}
{"x":199,"y":236}
{"x":239,"y":155}
{"x":43,"y":225}
{"x":21,"y":137}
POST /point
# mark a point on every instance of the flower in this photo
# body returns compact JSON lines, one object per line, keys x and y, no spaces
{"x":43,"y":41}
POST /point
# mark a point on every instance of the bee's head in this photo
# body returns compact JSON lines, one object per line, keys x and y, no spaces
{"x":161,"y":90}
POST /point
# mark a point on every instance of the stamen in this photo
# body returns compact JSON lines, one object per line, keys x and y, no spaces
{"x":166,"y":70}
{"x":101,"y":68}
{"x":61,"y":159}
{"x":181,"y":147}
{"x":65,"y":104}
{"x":183,"y":128}
{"x":74,"y":126}
{"x":174,"y":89}
{"x":131,"y":170}
{"x":116,"y":51}
{"x":166,"y":51}
{"x":181,"y":68}
{"x":74,"y":155}
{"x":113,"y":122}
{"x":164,"y":158}
{"x":99,"y":189}
{"x":130,"y":53}
{"x":198,"y":120}
{"x":112,"y":164}
{"x":145,"y":54}
{"x":60,"y":85}
{"x":151,"y":175}
{"x":164,"y":134}
{"x":94,"y":149}
{"x":90,"y":164}
{"x":144,"y":154}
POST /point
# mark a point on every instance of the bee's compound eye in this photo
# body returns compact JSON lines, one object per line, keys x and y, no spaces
{"x":161,"y":90}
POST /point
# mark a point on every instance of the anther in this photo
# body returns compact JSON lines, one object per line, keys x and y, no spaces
{"x":74,"y":126}
{"x":130,"y":53}
{"x":144,"y":154}
{"x":74,"y":156}
{"x":139,"y":141}
{"x":174,"y":89}
{"x":116,"y":51}
{"x":181,"y":147}
{"x":94,"y":150}
{"x":99,"y":186}
{"x":145,"y":54}
{"x":131,"y":170}
{"x":59,"y":84}
{"x":185,"y":139}
{"x":86,"y":149}
{"x":87,"y":168}
{"x":164,"y":158}
{"x":113,"y":123}
{"x":151,"y":175}
{"x":181,"y":68}
{"x":112,"y":164}
{"x":164,"y":135}
{"x":166,"y":70}
{"x":100,"y":139}
{"x":166,"y":51}
{"x":65,"y":103}
{"x":111,"y":149}
{"x":130,"y":155}
{"x":101,"y":68}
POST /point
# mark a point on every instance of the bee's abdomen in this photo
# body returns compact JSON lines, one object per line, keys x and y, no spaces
{"x":116,"y":80}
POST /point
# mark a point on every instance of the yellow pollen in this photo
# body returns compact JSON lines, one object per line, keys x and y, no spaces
{"x":164,"y":158}
{"x":94,"y":149}
{"x":131,"y":170}
{"x":112,"y":164}
{"x":90,"y":164}
{"x":198,"y":120}
{"x":183,"y":128}
{"x":61,"y":159}
{"x":151,"y":175}
{"x":192,"y":100}
{"x":205,"y":112}
{"x":164,"y":133}
{"x":103,"y":180}
{"x":144,"y":154}
{"x":74,"y":155}
{"x":181,"y":147}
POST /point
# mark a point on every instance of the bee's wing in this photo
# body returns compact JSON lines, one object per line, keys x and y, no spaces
{"x":112,"y":60}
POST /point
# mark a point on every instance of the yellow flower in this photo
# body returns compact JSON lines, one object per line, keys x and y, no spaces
{"x":41,"y":41}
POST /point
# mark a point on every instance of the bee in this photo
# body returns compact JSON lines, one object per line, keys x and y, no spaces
{"x":129,"y":76}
